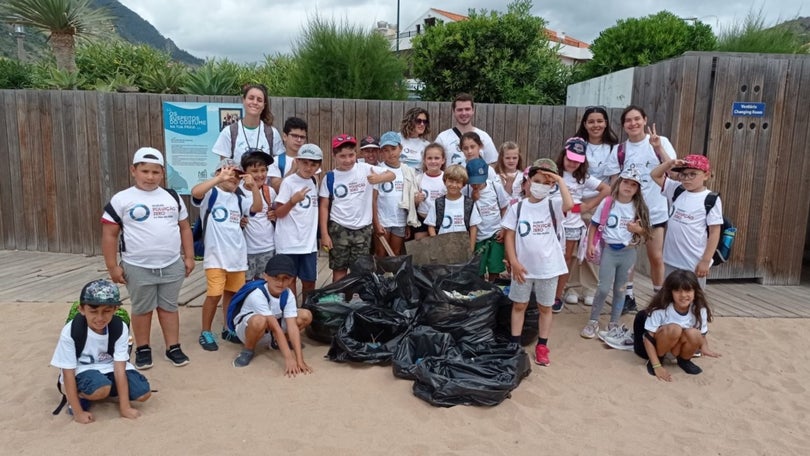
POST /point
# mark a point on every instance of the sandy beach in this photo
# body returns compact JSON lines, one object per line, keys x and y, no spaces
{"x":591,"y":400}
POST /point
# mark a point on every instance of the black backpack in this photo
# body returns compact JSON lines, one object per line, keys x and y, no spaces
{"x":440,"y":203}
{"x":727,"y":230}
{"x":268,"y":133}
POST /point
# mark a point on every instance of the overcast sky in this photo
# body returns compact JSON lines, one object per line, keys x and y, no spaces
{"x":246,"y":30}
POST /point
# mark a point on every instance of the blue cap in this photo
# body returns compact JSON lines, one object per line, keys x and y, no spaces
{"x":477,"y":171}
{"x":390,"y":138}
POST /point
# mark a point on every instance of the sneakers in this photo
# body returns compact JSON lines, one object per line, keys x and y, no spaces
{"x":176,"y":356}
{"x":230,"y":336}
{"x":541,"y":355}
{"x":688,"y":366}
{"x":588,"y":300}
{"x":558,"y":305}
{"x":571,"y":297}
{"x":590,"y":330}
{"x":243,"y":359}
{"x":207,"y":341}
{"x":143,"y":357}
{"x":613,"y":331}
{"x":629,"y":305}
{"x":625,"y":341}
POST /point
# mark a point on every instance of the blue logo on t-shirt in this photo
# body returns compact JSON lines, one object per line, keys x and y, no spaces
{"x":612,"y":221}
{"x":305,"y":203}
{"x":220,"y":214}
{"x":139,"y":213}
{"x":341,"y":191}
{"x":524,"y":228}
{"x":447,"y":221}
{"x":387,"y":187}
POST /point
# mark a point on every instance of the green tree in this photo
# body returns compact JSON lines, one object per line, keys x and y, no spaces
{"x":120,"y":62}
{"x":344,"y":61}
{"x":274,"y":73}
{"x":752,"y":35}
{"x":64,"y":21}
{"x":497,"y":57}
{"x":635,"y":42}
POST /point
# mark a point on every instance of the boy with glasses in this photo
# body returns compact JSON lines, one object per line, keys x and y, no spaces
{"x":294,"y":136}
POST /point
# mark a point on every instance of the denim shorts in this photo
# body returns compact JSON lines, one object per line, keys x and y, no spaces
{"x":306,"y":265}
{"x":88,"y":382}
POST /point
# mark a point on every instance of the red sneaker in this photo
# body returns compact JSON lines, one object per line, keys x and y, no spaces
{"x":541,"y":355}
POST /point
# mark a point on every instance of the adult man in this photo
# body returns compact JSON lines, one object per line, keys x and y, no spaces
{"x":463,"y":113}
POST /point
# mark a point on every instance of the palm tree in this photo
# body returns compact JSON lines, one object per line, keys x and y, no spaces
{"x":63,"y":20}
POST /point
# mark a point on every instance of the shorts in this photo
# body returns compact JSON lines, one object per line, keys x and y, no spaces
{"x":306,"y":265}
{"x":573,"y":234}
{"x":545,"y":291}
{"x":347,"y":245}
{"x":153,"y":288}
{"x":220,"y":280}
{"x":241,"y":329}
{"x":668,"y":269}
{"x":422,"y":227}
{"x":256,"y":264}
{"x":88,"y":382}
{"x":398,"y":231}
{"x":492,"y":255}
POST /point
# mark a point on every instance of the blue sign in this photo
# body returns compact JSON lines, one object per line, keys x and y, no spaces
{"x":747,"y":109}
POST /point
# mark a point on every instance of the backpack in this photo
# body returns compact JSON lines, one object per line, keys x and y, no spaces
{"x":268,"y":134}
{"x":122,"y":247}
{"x":238,"y":300}
{"x":78,"y":332}
{"x":550,"y":210}
{"x":440,"y":203}
{"x":198,"y":230}
{"x":728,"y":232}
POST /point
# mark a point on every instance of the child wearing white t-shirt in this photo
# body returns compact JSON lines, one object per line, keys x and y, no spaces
{"x":394,"y":210}
{"x":453,"y":212}
{"x":534,"y":252}
{"x":431,"y":186}
{"x":346,"y":205}
{"x":294,"y":135}
{"x":259,"y":228}
{"x":225,"y":259}
{"x":687,"y":244}
{"x":491,"y":201}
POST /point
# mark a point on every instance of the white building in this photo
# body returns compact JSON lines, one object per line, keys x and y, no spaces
{"x":570,"y":50}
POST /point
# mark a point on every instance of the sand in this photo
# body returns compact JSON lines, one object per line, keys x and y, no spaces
{"x":591,"y":400}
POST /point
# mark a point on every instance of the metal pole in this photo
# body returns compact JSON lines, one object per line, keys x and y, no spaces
{"x":397,"y":26}
{"x":19,"y":31}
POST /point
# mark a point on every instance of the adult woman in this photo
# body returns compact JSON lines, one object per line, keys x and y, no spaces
{"x":644,"y":150}
{"x":253,"y":131}
{"x":414,"y":131}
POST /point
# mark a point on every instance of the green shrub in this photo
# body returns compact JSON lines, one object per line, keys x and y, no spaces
{"x":15,"y":74}
{"x":99,"y":60}
{"x":215,"y":77}
{"x":752,"y":35}
{"x":166,"y":79}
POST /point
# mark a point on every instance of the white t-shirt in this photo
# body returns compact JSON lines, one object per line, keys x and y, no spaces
{"x":256,"y":303}
{"x":537,"y":243}
{"x":452,"y":147}
{"x":94,"y":355}
{"x":577,"y":190}
{"x":641,"y":156}
{"x":686,"y":236}
{"x":668,"y":316}
{"x":297,"y":232}
{"x":225,"y":246}
{"x":413,"y":152}
{"x":600,"y":164}
{"x":432,"y":188}
{"x":619,"y":216}
{"x":389,"y":195}
{"x":247,"y":138}
{"x":351,"y":206}
{"x":259,"y":231}
{"x":274,"y":171}
{"x":491,"y":200}
{"x":151,"y":232}
{"x":453,"y":220}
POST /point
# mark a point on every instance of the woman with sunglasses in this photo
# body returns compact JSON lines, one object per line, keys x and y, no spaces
{"x":414,"y":131}
{"x":254,"y":132}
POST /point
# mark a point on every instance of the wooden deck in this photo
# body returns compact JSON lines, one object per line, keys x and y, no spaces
{"x":58,"y":277}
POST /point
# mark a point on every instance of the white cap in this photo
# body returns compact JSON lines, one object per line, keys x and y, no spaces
{"x":310,"y":152}
{"x":148,"y":155}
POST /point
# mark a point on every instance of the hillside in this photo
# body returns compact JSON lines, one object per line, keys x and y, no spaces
{"x":802,"y":26}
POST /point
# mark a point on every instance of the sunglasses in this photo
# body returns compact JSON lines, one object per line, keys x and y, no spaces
{"x":421,"y":122}
{"x":590,"y":109}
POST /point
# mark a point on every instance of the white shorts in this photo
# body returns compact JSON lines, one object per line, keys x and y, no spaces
{"x":544,"y":291}
{"x":241,"y":329}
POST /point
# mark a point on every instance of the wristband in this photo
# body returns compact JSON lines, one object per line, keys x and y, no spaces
{"x":656,"y":366}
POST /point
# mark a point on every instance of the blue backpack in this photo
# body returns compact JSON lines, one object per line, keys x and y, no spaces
{"x":238,"y":300}
{"x":198,"y":230}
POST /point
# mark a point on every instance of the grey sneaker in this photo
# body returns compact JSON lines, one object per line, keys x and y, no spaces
{"x":243,"y":359}
{"x":613,"y":330}
{"x":624,"y":342}
{"x":590,"y":330}
{"x":176,"y":356}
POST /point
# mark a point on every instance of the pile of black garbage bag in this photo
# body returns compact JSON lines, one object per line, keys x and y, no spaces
{"x":437,"y":325}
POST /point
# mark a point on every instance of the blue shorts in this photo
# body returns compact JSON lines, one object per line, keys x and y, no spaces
{"x":306,"y":265}
{"x":88,"y":382}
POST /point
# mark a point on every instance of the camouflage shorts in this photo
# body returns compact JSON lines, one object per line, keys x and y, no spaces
{"x":347,"y":245}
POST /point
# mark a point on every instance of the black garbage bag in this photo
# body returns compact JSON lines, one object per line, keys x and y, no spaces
{"x":369,"y":335}
{"x":530,"y":320}
{"x":427,"y":275}
{"x":331,"y":305}
{"x":420,"y":343}
{"x":467,"y":319}
{"x":391,"y":280}
{"x":485,"y":376}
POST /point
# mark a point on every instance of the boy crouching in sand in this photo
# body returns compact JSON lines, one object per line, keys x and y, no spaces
{"x":98,"y":369}
{"x":265,"y":320}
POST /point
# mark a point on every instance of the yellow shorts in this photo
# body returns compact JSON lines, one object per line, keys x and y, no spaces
{"x":220,"y":280}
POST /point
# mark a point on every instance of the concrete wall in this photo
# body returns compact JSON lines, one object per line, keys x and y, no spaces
{"x":614,"y":90}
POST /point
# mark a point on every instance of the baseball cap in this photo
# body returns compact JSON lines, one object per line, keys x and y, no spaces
{"x":390,"y":138}
{"x":369,"y":142}
{"x":575,"y":149}
{"x":343,"y":139}
{"x":100,"y":293}
{"x":148,"y":155}
{"x":266,"y":158}
{"x":310,"y":152}
{"x":545,"y":164}
{"x":477,"y":171}
{"x":280,"y":264}
{"x":631,"y":174}
{"x":229,"y":162}
{"x":698,"y":162}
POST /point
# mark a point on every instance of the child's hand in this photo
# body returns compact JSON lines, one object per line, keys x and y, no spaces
{"x":83,"y":417}
{"x":655,"y":140}
{"x":557,"y":178}
{"x":418,"y":197}
{"x":189,"y":264}
{"x":634,"y":227}
{"x":271,"y":215}
{"x":226,"y":173}
{"x":378,"y":229}
{"x":662,"y":374}
{"x":374,"y":178}
{"x":710,"y":353}
{"x":291,"y":368}
{"x":702,"y":269}
{"x":303,"y":367}
{"x":243,"y":221}
{"x":130,"y":413}
{"x":591,"y":252}
{"x":519,"y":272}
{"x":299,"y":196}
{"x":117,"y":275}
{"x":249,"y":182}
{"x":499,"y":236}
{"x":326,"y":242}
